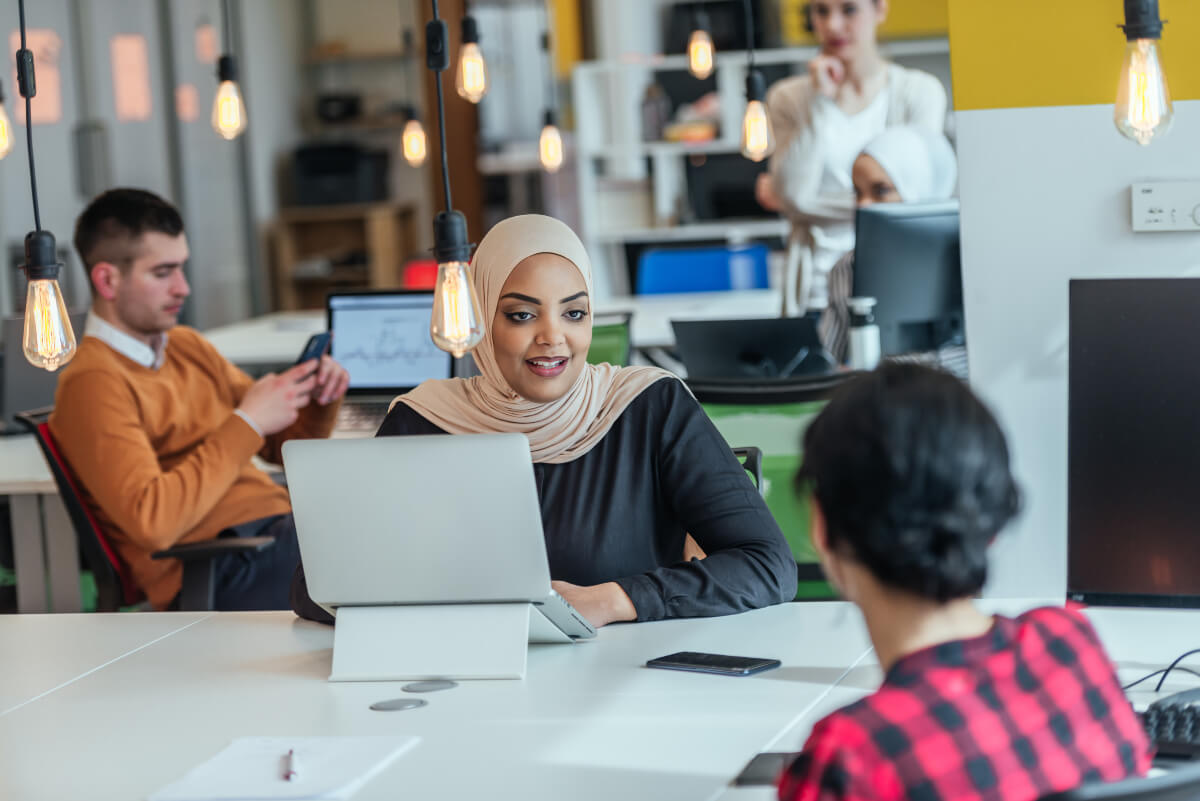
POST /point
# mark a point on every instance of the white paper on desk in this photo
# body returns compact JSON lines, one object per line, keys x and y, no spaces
{"x":251,"y":769}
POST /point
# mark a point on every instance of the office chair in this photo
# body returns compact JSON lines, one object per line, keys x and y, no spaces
{"x":612,"y":340}
{"x":752,"y":460}
{"x":1180,"y":784}
{"x":773,"y":413}
{"x":115,"y":587}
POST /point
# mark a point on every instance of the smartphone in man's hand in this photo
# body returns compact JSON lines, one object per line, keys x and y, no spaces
{"x":316,"y":347}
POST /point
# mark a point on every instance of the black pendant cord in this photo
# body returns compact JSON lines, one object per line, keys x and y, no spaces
{"x":25,"y":81}
{"x":441,"y":111}
{"x":551,"y":98}
{"x":749,"y":34}
{"x":228,"y":26}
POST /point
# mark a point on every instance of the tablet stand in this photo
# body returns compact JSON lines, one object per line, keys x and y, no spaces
{"x":442,"y":641}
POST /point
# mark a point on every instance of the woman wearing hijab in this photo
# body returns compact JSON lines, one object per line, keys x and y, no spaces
{"x":822,"y":120}
{"x":626,"y":462}
{"x":902,"y":165}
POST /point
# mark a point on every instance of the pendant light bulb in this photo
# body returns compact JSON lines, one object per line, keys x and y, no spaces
{"x":6,"y":129}
{"x":758,"y":139}
{"x":1143,"y":109}
{"x":550,"y":145}
{"x":456,"y":324}
{"x":700,"y":48}
{"x":471,"y":77}
{"x":229,"y":110}
{"x":48,"y":340}
{"x":413,"y":143}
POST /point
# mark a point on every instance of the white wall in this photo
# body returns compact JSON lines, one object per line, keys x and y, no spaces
{"x":1045,"y":198}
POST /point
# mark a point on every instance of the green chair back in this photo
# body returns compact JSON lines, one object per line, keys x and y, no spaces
{"x":611,"y":341}
{"x":777,"y":429}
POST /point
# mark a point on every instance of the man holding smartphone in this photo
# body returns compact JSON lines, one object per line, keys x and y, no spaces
{"x":159,"y":428}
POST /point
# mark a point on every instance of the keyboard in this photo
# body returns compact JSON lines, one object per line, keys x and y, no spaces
{"x":360,"y":417}
{"x":1173,"y":724}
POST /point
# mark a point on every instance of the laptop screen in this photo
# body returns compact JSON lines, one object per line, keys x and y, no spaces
{"x":382,"y":339}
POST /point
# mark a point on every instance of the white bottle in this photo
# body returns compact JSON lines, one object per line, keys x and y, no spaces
{"x":863,"y":346}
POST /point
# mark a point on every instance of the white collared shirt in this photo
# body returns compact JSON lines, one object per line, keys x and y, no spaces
{"x":131,"y":348}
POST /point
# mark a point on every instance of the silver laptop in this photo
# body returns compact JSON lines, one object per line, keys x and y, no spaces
{"x":434,"y":519}
{"x":382,"y":339}
{"x":24,"y":387}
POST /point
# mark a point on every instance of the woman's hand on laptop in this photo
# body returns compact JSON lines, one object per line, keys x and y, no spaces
{"x":601,"y":604}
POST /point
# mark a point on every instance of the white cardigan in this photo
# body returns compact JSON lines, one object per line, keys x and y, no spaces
{"x":796,"y":169}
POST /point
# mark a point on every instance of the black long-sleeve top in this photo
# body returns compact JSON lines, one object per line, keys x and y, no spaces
{"x":621,"y":512}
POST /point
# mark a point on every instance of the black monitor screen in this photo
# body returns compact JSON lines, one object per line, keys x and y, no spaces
{"x":906,"y":256}
{"x":1133,"y":498}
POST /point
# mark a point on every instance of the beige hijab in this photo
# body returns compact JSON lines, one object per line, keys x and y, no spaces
{"x":559,"y":431}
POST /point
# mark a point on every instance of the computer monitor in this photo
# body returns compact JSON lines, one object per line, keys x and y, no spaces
{"x":906,"y":256}
{"x":382,"y":339}
{"x":1133,"y":442}
{"x":772,"y":347}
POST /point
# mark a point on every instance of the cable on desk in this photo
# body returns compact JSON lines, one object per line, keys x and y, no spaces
{"x":1149,"y":676}
{"x":1173,"y":665}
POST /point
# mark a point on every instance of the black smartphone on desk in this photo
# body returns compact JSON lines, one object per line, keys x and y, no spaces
{"x":713,"y":663}
{"x":316,"y":347}
{"x":764,"y":769}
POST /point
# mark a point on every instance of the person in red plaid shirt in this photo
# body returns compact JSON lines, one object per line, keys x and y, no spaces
{"x":910,"y":482}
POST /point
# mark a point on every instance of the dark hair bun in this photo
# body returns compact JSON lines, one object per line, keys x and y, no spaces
{"x":912,"y":475}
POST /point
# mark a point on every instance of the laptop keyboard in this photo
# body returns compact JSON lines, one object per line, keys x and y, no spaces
{"x":361,"y":416}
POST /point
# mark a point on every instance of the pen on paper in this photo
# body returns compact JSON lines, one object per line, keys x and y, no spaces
{"x":290,"y":766}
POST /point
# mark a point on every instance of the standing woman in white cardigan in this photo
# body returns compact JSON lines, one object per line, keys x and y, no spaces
{"x":822,"y":121}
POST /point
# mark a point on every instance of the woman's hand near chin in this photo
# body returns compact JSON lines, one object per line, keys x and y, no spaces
{"x":601,"y":604}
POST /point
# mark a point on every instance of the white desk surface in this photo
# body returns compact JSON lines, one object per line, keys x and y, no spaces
{"x":277,"y":338}
{"x":22,"y":467}
{"x":41,"y":653}
{"x":588,"y":721}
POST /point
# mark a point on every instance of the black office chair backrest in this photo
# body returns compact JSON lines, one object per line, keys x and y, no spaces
{"x":1180,"y":784}
{"x":114,"y":586}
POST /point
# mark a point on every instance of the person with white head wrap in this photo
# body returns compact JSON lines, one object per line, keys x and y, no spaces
{"x":904,"y":164}
{"x":628,"y":466}
{"x":920,"y":163}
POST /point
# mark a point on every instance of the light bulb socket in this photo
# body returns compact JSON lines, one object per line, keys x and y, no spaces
{"x":437,"y":51}
{"x":756,"y":85}
{"x":226,"y":68}
{"x":549,"y":117}
{"x":470,"y":30}
{"x":410,"y":112}
{"x":26,"y":82}
{"x":450,"y":241}
{"x":41,"y":256}
{"x":1,"y":91}
{"x":701,"y":22}
{"x":1142,"y":20}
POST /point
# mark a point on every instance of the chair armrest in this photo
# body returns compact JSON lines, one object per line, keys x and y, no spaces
{"x":215,"y":547}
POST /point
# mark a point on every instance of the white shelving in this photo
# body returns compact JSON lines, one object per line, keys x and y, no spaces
{"x":718,"y":229}
{"x":630,"y":190}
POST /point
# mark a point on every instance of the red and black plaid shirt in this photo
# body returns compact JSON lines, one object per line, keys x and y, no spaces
{"x":1030,"y":708}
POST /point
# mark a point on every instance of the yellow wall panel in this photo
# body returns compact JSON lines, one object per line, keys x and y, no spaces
{"x":567,"y":40}
{"x":1027,"y":53}
{"x":907,"y":19}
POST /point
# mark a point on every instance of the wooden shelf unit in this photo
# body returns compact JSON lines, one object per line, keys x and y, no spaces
{"x":383,"y":232}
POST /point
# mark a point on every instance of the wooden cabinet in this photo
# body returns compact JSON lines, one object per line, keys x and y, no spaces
{"x":320,"y":248}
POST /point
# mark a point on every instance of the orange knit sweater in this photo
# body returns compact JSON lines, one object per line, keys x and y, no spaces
{"x":161,"y":457}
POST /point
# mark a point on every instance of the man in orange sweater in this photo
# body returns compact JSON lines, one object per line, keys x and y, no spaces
{"x":159,"y":427}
